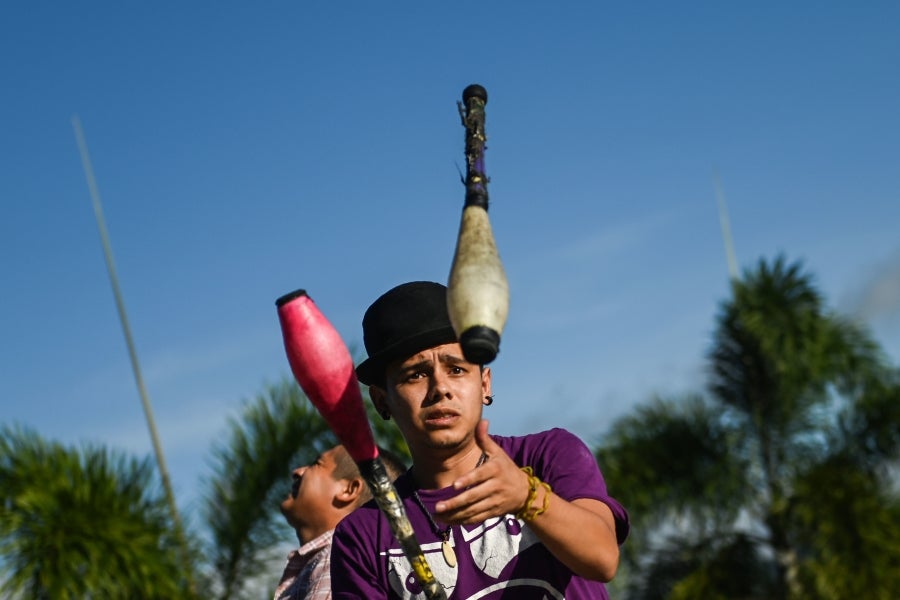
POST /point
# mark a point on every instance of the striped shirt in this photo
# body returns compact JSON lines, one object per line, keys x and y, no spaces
{"x":307,"y":574}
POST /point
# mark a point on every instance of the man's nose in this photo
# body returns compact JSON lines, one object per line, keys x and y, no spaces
{"x":440,"y":385}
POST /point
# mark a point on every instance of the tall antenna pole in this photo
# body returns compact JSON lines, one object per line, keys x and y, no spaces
{"x":132,"y":353}
{"x":726,"y":228}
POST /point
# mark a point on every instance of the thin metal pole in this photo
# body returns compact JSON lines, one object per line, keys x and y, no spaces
{"x":132,"y":353}
{"x":726,"y":228}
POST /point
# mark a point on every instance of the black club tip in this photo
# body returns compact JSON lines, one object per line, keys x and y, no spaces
{"x":474,"y":91}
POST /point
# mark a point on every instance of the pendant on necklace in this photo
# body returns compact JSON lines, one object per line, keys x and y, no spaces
{"x":446,"y":548}
{"x":449,"y":554}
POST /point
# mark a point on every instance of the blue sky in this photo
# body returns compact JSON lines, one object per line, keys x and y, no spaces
{"x":243,"y":150}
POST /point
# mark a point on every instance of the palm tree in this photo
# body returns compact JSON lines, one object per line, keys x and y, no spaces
{"x":277,"y":431}
{"x":83,"y":523}
{"x":777,"y":485}
{"x":95,"y":523}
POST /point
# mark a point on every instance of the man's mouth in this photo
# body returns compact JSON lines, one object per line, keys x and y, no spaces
{"x":441,"y":417}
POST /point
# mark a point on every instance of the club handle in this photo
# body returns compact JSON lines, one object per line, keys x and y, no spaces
{"x":389,"y":502}
{"x":472,"y":113}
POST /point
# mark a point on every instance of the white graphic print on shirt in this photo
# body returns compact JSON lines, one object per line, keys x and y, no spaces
{"x":492,"y":545}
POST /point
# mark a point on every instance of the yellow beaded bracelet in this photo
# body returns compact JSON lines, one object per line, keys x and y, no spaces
{"x":529,"y":512}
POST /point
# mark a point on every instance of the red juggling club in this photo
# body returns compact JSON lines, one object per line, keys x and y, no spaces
{"x":324,"y":369}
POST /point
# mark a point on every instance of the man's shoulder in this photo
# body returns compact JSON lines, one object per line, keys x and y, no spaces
{"x":538,"y":440}
{"x":362,"y":516}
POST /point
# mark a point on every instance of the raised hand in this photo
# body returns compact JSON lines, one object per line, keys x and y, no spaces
{"x":495,"y":488}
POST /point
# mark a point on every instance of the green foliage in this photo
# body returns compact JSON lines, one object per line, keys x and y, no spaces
{"x":666,"y":460}
{"x":869,"y":429}
{"x":251,"y":465}
{"x":782,"y":483}
{"x":95,"y":524}
{"x":718,"y":566}
{"x":846,"y":525}
{"x":276,"y":432}
{"x":83,"y":523}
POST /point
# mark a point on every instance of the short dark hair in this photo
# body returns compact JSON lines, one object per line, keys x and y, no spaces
{"x":345,"y":468}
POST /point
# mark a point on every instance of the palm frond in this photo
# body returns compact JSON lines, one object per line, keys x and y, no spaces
{"x":83,"y":522}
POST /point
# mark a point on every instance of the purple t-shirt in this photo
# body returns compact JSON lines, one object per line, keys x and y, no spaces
{"x":498,"y":557}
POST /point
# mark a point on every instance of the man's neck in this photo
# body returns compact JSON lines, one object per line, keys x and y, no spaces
{"x":434,"y":472}
{"x":311,"y":532}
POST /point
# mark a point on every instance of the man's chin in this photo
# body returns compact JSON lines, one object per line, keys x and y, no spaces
{"x":285,"y":506}
{"x":446,"y":440}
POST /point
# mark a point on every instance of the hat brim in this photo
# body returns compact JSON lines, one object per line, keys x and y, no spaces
{"x":372,"y":370}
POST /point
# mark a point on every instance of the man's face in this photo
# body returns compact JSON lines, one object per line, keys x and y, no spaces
{"x":313,"y":489}
{"x":436,"y":397}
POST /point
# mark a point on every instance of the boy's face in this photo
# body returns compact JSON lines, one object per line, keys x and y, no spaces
{"x":436,"y":397}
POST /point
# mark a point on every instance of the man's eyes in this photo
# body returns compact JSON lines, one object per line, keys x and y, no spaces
{"x":453,"y":370}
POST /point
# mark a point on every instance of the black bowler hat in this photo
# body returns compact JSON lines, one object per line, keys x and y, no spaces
{"x":407,"y":319}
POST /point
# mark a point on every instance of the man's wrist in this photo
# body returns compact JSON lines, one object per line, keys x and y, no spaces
{"x":538,"y":500}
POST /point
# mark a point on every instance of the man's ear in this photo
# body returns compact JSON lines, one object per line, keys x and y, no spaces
{"x":486,"y":381}
{"x":351,"y":490}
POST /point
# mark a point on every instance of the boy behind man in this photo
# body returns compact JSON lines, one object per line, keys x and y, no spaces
{"x":322,"y":494}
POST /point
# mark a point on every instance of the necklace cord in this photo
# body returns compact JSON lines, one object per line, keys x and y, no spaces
{"x":443,"y":534}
